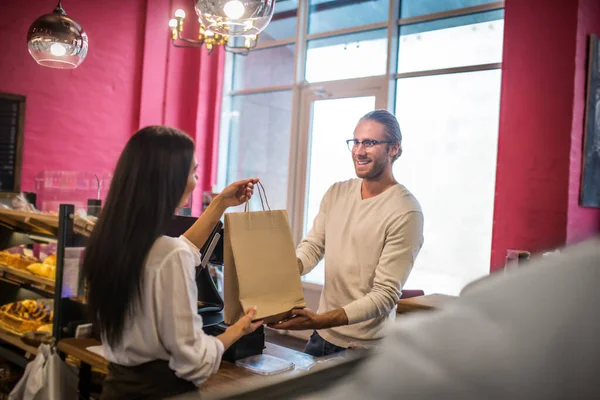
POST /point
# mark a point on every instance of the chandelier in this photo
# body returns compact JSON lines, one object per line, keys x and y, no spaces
{"x":233,"y":24}
{"x":234,"y":44}
{"x":56,"y":40}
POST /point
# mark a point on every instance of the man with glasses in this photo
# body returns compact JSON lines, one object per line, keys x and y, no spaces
{"x":369,"y":230}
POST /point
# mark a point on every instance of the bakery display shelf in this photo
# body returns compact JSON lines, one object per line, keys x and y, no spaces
{"x":42,"y":224}
{"x":68,"y":230}
{"x":13,"y":349}
{"x":32,"y":281}
{"x":83,"y":226}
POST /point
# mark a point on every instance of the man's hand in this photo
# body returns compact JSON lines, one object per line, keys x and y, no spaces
{"x":302,"y":318}
{"x":305,"y":319}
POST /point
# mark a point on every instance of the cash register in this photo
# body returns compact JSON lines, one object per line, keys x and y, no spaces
{"x":210,"y":302}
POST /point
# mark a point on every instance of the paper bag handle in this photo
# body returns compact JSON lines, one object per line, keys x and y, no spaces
{"x":261,"y":193}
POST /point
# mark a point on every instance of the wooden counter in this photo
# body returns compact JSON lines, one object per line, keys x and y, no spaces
{"x":424,"y":303}
{"x":229,"y":376}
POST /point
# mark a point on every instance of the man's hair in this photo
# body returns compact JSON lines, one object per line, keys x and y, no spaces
{"x":391,"y":125}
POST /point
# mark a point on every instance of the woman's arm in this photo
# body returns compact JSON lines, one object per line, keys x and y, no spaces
{"x":193,"y":354}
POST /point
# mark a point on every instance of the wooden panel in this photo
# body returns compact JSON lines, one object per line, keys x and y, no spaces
{"x":423,"y":303}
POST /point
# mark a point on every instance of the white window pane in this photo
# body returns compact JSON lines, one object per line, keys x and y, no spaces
{"x":331,"y":15}
{"x":343,"y":57}
{"x":262,"y":68}
{"x":415,"y":8}
{"x":330,"y":161}
{"x":452,"y":42}
{"x":450,"y":133}
{"x":283,"y":23}
{"x":259,"y":143}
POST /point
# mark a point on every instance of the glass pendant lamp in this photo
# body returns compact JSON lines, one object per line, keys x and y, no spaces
{"x":235,"y":17}
{"x":56,"y":40}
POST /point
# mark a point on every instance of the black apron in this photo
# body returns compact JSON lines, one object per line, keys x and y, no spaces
{"x":152,"y":380}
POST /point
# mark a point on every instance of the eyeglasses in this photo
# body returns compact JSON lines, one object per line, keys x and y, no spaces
{"x":367,"y":143}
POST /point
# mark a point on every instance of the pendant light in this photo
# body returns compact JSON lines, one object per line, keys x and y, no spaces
{"x":56,"y":40}
{"x":234,"y":44}
{"x":235,"y":17}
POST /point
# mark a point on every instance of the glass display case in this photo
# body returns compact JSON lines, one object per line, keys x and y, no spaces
{"x":80,"y":188}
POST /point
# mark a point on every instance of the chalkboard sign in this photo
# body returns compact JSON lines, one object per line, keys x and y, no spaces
{"x":12,"y":117}
{"x":590,"y":177}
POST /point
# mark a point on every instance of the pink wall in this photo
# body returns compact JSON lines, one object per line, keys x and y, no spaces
{"x":541,"y":127}
{"x":132,"y":77}
{"x":76,"y":119}
{"x":535,"y":126}
{"x":582,"y":221}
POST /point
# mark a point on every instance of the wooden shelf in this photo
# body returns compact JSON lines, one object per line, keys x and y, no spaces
{"x":23,"y":277}
{"x":17,"y":342}
{"x":40,"y":223}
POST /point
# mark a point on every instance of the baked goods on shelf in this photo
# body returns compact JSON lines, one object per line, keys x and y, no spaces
{"x":16,"y":260}
{"x":26,"y":315}
{"x":43,"y":270}
{"x":50,"y":260}
{"x":45,"y":328}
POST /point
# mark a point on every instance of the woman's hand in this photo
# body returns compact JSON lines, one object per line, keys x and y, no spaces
{"x":243,"y":327}
{"x":245,"y":324}
{"x":238,"y":192}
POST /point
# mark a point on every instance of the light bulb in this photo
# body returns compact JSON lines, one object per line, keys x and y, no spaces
{"x":234,"y":9}
{"x":58,"y":50}
{"x":180,"y":13}
{"x":173,"y":23}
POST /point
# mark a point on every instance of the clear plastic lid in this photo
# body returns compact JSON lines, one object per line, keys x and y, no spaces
{"x":264,"y":364}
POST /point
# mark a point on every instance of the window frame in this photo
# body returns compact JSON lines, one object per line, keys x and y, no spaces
{"x":301,"y":91}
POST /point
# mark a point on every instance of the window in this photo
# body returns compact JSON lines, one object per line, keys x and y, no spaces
{"x":453,"y":42}
{"x":416,"y":8}
{"x":332,"y":15}
{"x":283,"y":23}
{"x":289,"y":102}
{"x":450,"y":133}
{"x":272,"y":66}
{"x":259,"y":141}
{"x":340,"y":57}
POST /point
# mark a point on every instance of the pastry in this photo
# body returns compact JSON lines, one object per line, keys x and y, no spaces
{"x":26,"y":315}
{"x":4,"y":256}
{"x":50,"y":260}
{"x":19,"y":261}
{"x":45,"y":328}
{"x":43,"y":270}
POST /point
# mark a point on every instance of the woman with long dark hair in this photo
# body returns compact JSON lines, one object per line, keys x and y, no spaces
{"x":141,"y":284}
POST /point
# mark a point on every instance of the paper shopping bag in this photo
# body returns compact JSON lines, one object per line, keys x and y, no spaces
{"x":260,"y":266}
